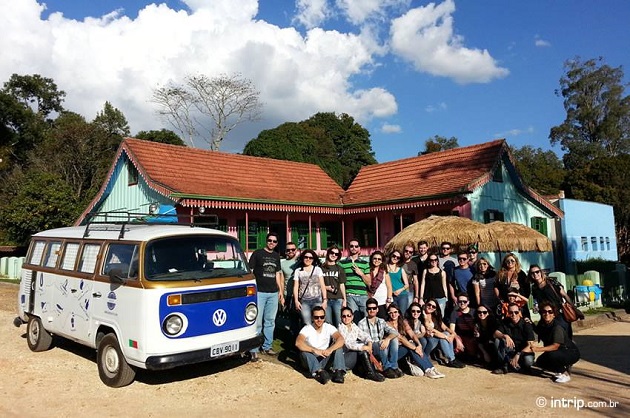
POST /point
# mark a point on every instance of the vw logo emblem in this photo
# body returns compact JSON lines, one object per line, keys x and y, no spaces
{"x":219,"y":317}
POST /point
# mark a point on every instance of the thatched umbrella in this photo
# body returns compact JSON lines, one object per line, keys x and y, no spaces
{"x":436,"y":229}
{"x":510,"y":236}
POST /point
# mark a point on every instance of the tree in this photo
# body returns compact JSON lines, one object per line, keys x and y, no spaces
{"x":439,"y":143}
{"x":336,"y":143}
{"x":541,"y":170}
{"x":163,"y":136}
{"x":226,"y":100}
{"x":598,"y":114}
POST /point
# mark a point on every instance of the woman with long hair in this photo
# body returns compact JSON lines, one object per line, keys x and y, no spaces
{"x":511,"y":275}
{"x":409,"y":344}
{"x":433,"y":283}
{"x":309,"y":289}
{"x":398,"y":278}
{"x":380,"y":287}
{"x":545,"y":289}
{"x":483,"y":283}
{"x":559,"y":352}
{"x":335,"y":281}
{"x":485,"y":326}
{"x":438,"y":334}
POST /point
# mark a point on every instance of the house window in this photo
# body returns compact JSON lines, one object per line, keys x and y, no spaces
{"x":497,"y":176}
{"x":365,"y":232}
{"x":255,"y":236}
{"x":492,"y":215}
{"x":594,"y":243}
{"x":602,"y":246}
{"x":584,"y":244}
{"x":132,"y":175}
{"x":607,"y":244}
{"x":539,"y":224}
{"x":406,"y":221}
{"x":300,"y":234}
{"x":330,"y":234}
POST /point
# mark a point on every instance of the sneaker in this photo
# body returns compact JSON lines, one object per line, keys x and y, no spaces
{"x":322,"y":377}
{"x":399,"y":373}
{"x":433,"y":373}
{"x":563,"y":378}
{"x":500,"y":370}
{"x":338,"y":376}
{"x":390,"y":374}
{"x":253,"y":357}
{"x":269,"y":352}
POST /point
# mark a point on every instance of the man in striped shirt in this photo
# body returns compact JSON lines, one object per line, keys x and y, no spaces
{"x":357,"y":278}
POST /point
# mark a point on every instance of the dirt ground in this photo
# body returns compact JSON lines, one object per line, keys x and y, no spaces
{"x":64,"y":382}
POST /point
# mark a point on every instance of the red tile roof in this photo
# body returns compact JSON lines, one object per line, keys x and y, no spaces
{"x":218,"y":175}
{"x":432,"y":175}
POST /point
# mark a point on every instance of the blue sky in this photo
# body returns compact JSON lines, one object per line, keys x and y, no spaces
{"x":406,"y":70}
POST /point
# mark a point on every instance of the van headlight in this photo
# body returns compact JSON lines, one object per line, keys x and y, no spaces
{"x":173,"y":324}
{"x":251,"y":312}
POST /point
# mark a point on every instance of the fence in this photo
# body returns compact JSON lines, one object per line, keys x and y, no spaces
{"x":11,"y":267}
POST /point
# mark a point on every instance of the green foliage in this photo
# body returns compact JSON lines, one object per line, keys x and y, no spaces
{"x":336,"y":143}
{"x":42,"y":201}
{"x":596,"y":264}
{"x":163,"y":136}
{"x":541,"y":170}
{"x":439,"y":143}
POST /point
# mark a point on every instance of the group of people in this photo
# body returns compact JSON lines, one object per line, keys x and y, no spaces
{"x":411,"y":308}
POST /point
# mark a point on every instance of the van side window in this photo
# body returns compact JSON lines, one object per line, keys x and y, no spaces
{"x":52,"y":254}
{"x":123,"y":258}
{"x":37,"y":253}
{"x":88,"y":258}
{"x":70,"y":256}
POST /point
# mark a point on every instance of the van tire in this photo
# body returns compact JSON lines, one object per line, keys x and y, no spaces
{"x":113,"y":369}
{"x":37,"y":337}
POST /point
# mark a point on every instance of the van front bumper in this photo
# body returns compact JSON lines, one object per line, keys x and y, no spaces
{"x":181,"y":359}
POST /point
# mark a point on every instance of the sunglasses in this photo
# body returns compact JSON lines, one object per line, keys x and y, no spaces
{"x":272,"y":240}
{"x":408,"y":251}
{"x":482,"y":312}
{"x":307,"y":257}
{"x":346,"y":316}
{"x":446,"y":248}
{"x":512,"y":313}
{"x":433,"y":259}
{"x":290,"y":249}
{"x":377,"y":259}
{"x":335,"y":253}
{"x":472,"y":252}
{"x":319,"y":316}
{"x":372,"y":308}
{"x":510,"y":261}
{"x":462,"y":258}
{"x":483,"y":264}
{"x":393,"y":313}
{"x":546,"y":311}
{"x":394,"y":256}
{"x":429,"y":305}
{"x":354,"y":246}
{"x":416,"y":311}
{"x":534,"y":272}
{"x":463,"y":302}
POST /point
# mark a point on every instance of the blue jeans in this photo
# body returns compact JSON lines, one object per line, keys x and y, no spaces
{"x":423,"y":362}
{"x":525,"y":360}
{"x":402,"y":301}
{"x":357,"y":304}
{"x":389,"y":356}
{"x":442,"y":304}
{"x":333,"y":311}
{"x":266,"y":320}
{"x":307,"y":307}
{"x":317,"y":363}
{"x":445,"y":346}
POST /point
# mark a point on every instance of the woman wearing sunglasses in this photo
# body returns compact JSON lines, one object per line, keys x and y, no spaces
{"x":400,"y":283}
{"x":380,"y":285}
{"x":335,"y":281}
{"x":357,"y":347}
{"x":485,"y":326}
{"x":559,"y":352}
{"x":309,"y":289}
{"x":545,"y":289}
{"x":433,"y":283}
{"x":438,"y":334}
{"x":417,"y":334}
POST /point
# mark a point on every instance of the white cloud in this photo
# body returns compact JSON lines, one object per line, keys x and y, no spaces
{"x":514,"y":132}
{"x":538,"y":41}
{"x":425,"y":37}
{"x":387,"y":128}
{"x":120,"y":59}
{"x":434,"y":108}
{"x":312,"y":13}
{"x":359,"y":11}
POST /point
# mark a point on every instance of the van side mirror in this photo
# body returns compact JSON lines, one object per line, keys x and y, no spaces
{"x":116,"y":275}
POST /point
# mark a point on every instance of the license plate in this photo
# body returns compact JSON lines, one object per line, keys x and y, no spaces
{"x":223,"y":349}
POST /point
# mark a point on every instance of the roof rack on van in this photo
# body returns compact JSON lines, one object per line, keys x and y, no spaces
{"x":121,"y":219}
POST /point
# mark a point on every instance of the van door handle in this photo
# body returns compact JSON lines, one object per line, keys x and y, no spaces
{"x":96,"y":294}
{"x":73,"y":290}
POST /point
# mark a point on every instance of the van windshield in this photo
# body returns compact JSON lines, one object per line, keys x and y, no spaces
{"x":194,"y":257}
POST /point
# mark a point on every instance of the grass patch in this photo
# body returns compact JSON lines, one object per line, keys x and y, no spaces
{"x":8,"y":280}
{"x":600,"y":310}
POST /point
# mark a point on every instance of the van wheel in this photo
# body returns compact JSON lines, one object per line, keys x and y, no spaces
{"x":37,"y":337}
{"x":113,"y":369}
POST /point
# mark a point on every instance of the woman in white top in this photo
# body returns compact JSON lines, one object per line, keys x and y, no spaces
{"x":309,"y":289}
{"x":380,"y":287}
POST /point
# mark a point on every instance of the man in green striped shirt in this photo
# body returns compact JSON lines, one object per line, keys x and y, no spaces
{"x":357,"y":278}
